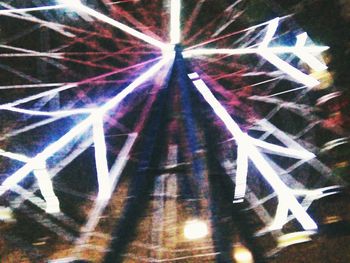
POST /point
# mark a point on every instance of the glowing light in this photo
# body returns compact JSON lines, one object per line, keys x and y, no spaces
{"x":14,"y":156}
{"x":246,"y":51}
{"x":269,"y":53}
{"x":44,"y":181}
{"x":318,"y":193}
{"x":300,"y":154}
{"x":295,"y":238}
{"x":290,"y":70}
{"x":104,"y":184}
{"x":123,"y":156}
{"x":32,"y":9}
{"x":279,"y":63}
{"x":6,"y":214}
{"x":175,"y":34}
{"x":271,"y":30}
{"x":195,"y":229}
{"x":46,"y":188}
{"x":114,"y":176}
{"x":61,"y":113}
{"x":241,"y":254}
{"x":77,"y":130}
{"x":284,"y":193}
{"x":140,"y":80}
{"x":241,"y":174}
{"x":38,"y":96}
{"x":306,"y":57}
{"x":335,"y":143}
{"x":281,"y":215}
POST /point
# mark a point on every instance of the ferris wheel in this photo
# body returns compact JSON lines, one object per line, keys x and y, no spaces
{"x":158,"y":131}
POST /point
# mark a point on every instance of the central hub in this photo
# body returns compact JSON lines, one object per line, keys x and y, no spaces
{"x":178,"y":52}
{"x":178,"y":49}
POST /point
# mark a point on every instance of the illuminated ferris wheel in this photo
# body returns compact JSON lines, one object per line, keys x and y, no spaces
{"x":157,"y":131}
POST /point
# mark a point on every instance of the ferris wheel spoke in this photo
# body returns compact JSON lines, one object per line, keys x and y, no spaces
{"x":32,"y":9}
{"x":175,"y":30}
{"x":73,"y":85}
{"x":270,"y":54}
{"x":79,"y":129}
{"x":255,"y":156}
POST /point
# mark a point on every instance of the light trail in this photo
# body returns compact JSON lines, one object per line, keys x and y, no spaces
{"x":304,"y":55}
{"x":284,"y":193}
{"x":32,"y":9}
{"x":78,"y":129}
{"x":60,"y":114}
{"x":44,"y":180}
{"x":294,"y":153}
{"x":175,"y":25}
{"x":270,"y":54}
{"x":241,"y":174}
{"x":104,"y":184}
{"x":114,"y":176}
{"x":31,"y":86}
{"x":248,"y":51}
{"x":73,"y":85}
{"x":265,"y":52}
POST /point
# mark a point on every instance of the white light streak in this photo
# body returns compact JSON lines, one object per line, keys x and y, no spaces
{"x":288,"y":69}
{"x":269,"y":53}
{"x":61,"y":113}
{"x":15,"y":156}
{"x":248,"y":51}
{"x":241,"y":174}
{"x":285,"y":194}
{"x":114,"y":176}
{"x":140,"y":80}
{"x":271,"y":30}
{"x":280,"y":216}
{"x":44,"y":180}
{"x":313,"y":62}
{"x":121,"y":160}
{"x":279,"y":63}
{"x":46,"y":188}
{"x":16,"y":177}
{"x":30,"y":86}
{"x":32,"y":9}
{"x":317,"y":193}
{"x":77,"y":130}
{"x":54,"y":26}
{"x":175,"y":24}
{"x":169,"y":56}
{"x":40,"y":95}
{"x":104,"y":184}
{"x":299,"y":154}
